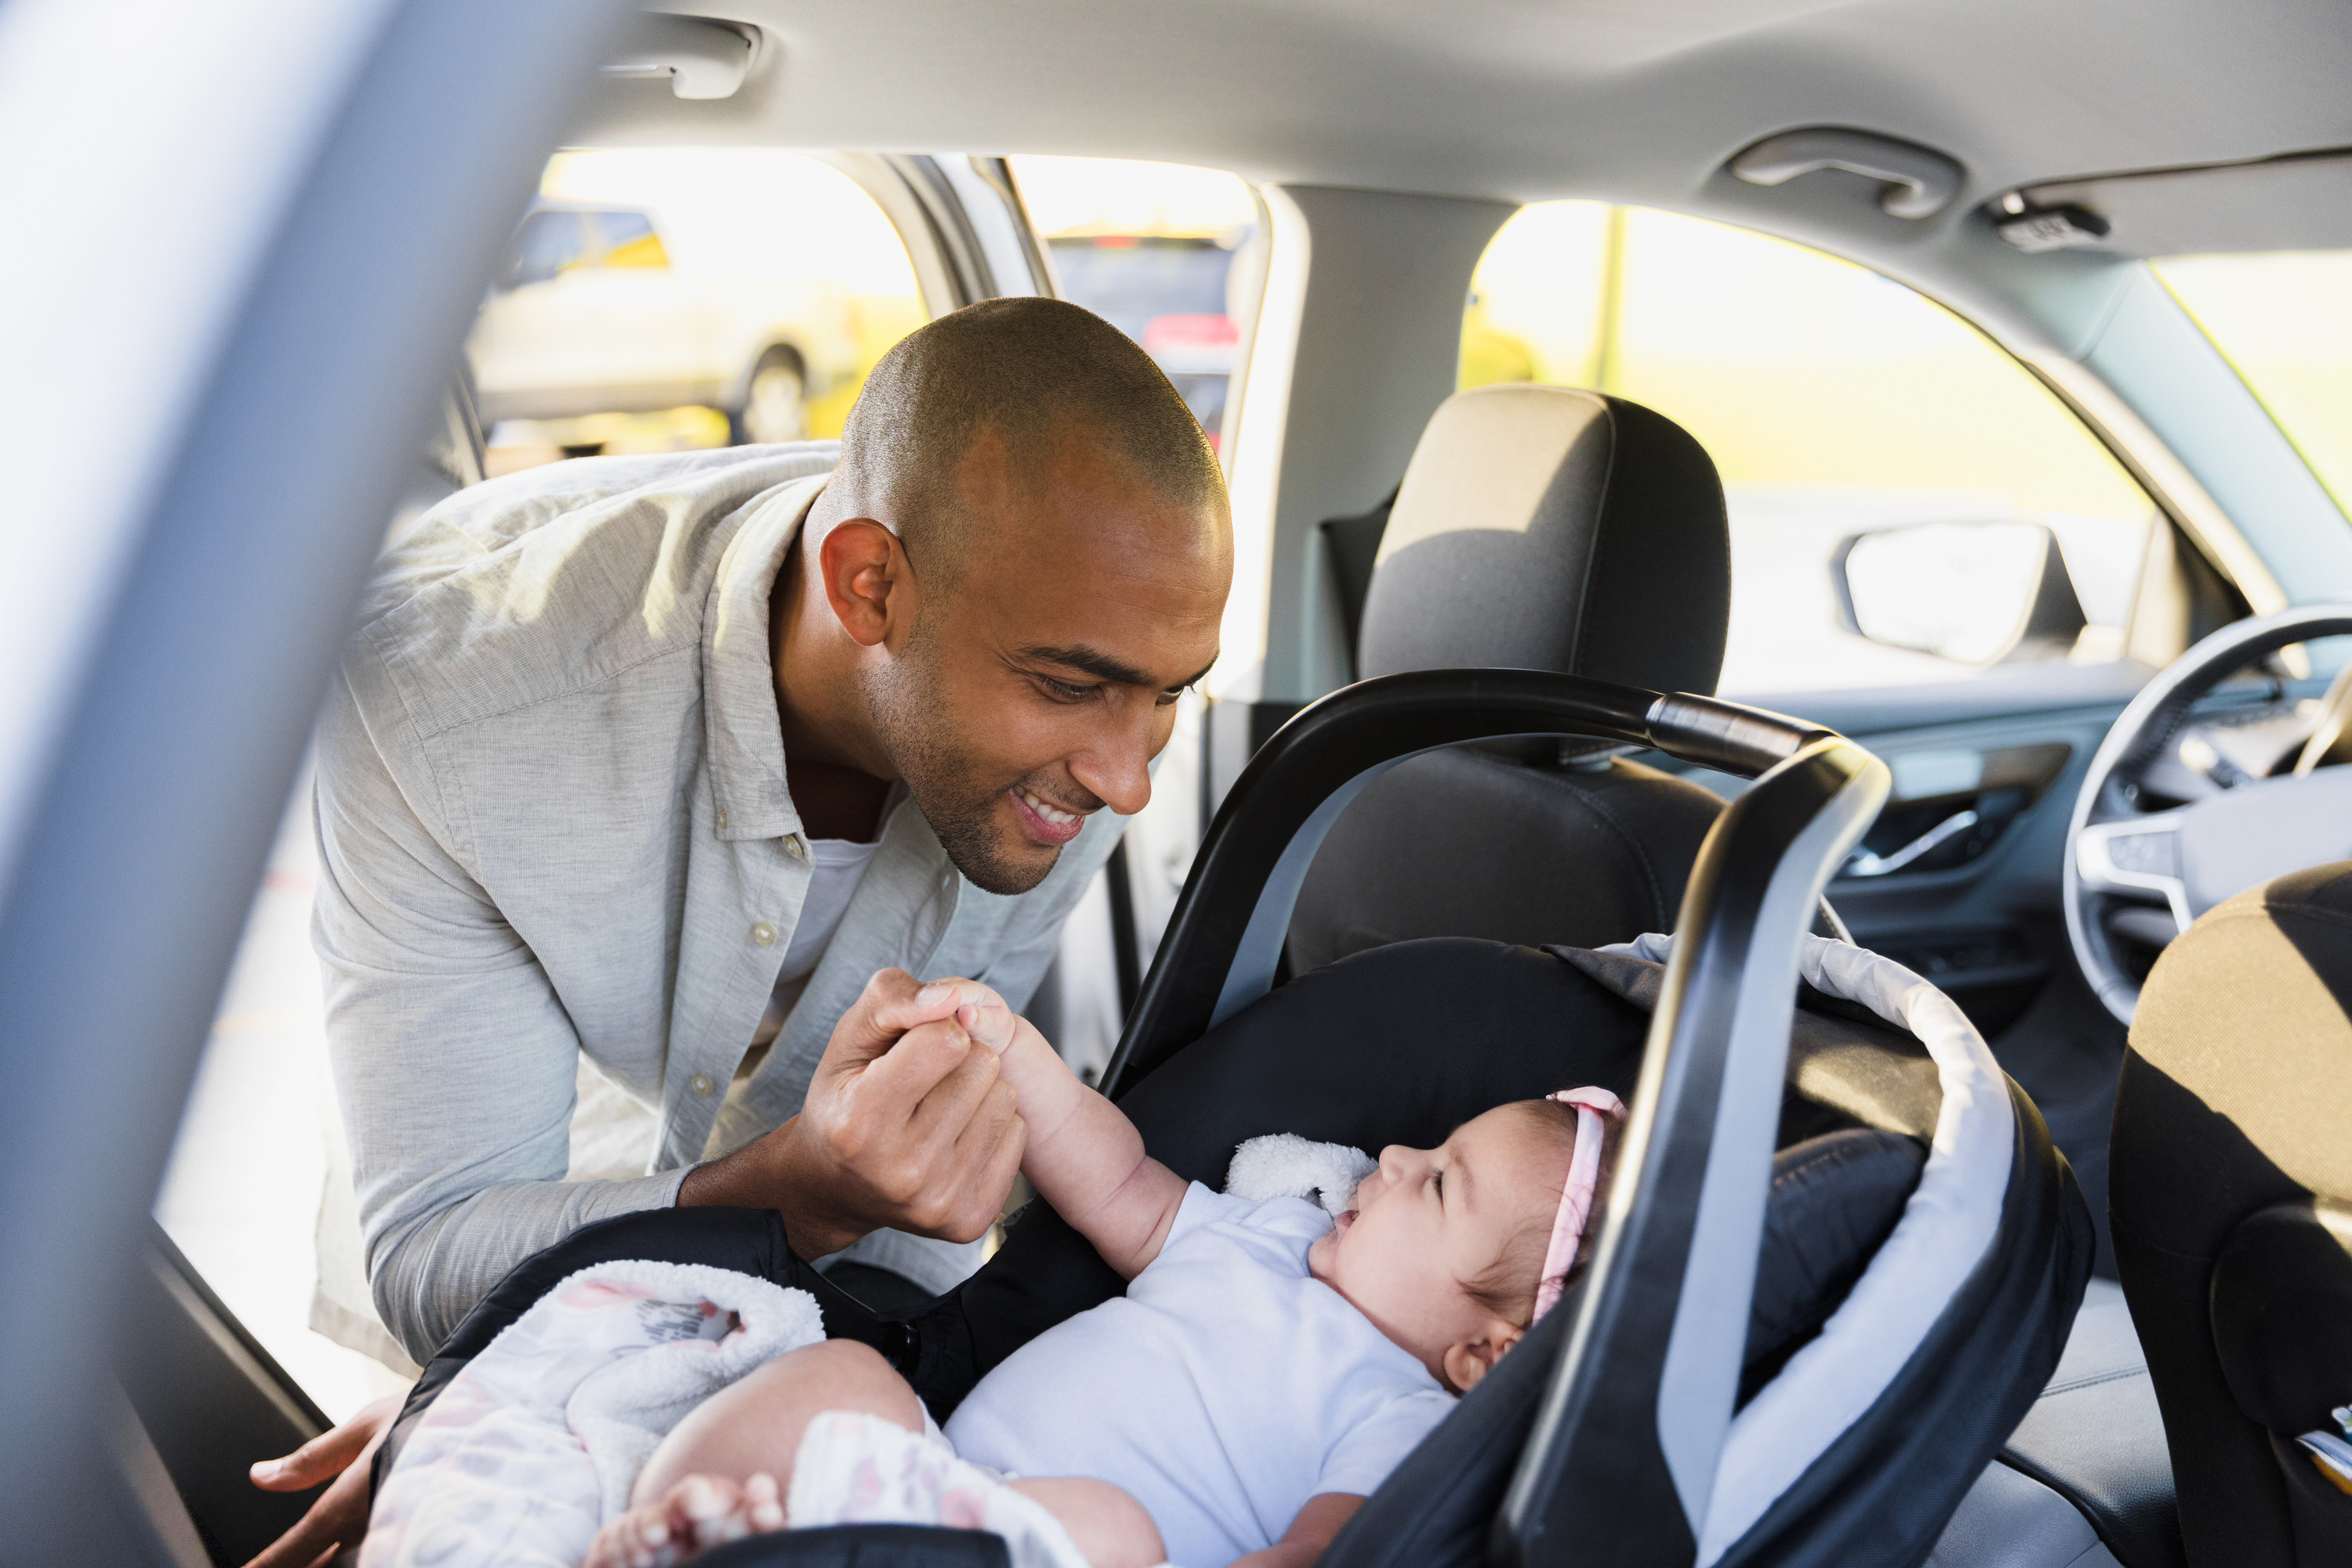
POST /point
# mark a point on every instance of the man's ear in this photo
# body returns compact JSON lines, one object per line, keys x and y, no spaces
{"x":1468,"y":1361}
{"x":867,"y":580}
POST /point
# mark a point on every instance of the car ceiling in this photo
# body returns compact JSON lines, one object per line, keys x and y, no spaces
{"x":1527,"y":100}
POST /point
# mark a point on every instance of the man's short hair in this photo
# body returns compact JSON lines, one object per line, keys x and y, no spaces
{"x":1024,"y":368}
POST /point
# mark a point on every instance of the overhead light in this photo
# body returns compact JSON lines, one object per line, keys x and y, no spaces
{"x":2036,"y":229}
{"x":702,"y":59}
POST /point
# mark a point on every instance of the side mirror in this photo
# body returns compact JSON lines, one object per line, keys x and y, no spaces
{"x":1977,"y":592}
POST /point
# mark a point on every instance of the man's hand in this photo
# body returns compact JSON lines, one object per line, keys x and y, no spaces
{"x":907,"y":1125}
{"x":340,"y":1515}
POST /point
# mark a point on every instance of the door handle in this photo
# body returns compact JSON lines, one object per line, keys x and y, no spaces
{"x":1865,"y":864}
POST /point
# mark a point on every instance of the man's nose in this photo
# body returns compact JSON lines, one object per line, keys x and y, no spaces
{"x":1118,"y":768}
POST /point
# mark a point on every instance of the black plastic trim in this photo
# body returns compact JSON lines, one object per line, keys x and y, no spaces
{"x":1597,"y":1460}
{"x":1335,"y":746}
{"x":1596,"y":1470}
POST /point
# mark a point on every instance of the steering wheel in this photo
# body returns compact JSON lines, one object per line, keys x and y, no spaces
{"x":2160,"y":869}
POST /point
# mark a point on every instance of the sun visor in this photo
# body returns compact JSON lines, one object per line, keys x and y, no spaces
{"x":2301,"y":201}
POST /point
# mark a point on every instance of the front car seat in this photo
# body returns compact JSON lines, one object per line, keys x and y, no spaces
{"x":1537,"y":528}
{"x":2231,"y":1202}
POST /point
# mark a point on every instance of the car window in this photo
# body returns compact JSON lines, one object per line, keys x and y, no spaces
{"x":626,"y":240}
{"x":1165,"y":252}
{"x":679,"y":298}
{"x":1836,"y":403}
{"x":544,"y":245}
{"x":775,"y":259}
{"x":2285,"y":323}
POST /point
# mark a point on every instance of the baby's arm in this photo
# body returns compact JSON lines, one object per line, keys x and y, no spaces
{"x":1084,"y":1156}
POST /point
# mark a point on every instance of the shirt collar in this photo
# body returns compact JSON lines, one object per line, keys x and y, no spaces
{"x":739,"y":685}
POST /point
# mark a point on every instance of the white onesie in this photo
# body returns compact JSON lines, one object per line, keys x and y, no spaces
{"x":1222,"y":1392}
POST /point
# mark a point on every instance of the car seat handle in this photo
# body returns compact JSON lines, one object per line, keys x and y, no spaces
{"x":1643,"y":1395}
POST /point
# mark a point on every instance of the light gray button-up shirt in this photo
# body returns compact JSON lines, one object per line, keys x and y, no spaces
{"x":552,"y":819}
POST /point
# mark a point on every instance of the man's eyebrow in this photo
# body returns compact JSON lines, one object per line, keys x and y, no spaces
{"x":1096,"y":663}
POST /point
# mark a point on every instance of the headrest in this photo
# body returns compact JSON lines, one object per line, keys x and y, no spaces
{"x":1543,"y":528}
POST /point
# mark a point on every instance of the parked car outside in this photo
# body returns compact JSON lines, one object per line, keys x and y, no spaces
{"x":589,"y":316}
{"x":1167,"y":292}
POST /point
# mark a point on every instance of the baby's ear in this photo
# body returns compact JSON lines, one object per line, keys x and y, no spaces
{"x":1468,"y":1361}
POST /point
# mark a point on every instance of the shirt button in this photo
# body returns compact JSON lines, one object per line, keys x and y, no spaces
{"x":701,"y":1085}
{"x":723,"y":819}
{"x":795,"y":849}
{"x":764,"y":934}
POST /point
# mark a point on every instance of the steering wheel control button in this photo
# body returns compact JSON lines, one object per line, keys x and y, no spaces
{"x":702,"y":1086}
{"x":2149,"y":854}
{"x":764,"y":934}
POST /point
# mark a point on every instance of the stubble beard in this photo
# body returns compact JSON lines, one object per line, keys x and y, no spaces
{"x":912,"y":718}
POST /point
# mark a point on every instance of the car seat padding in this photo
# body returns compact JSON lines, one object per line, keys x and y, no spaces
{"x":1398,"y":1045}
{"x":1438,"y":1505}
{"x":1401,"y":1044}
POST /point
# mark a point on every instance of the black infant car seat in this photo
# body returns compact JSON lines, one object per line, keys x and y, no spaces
{"x":1675,"y":1377}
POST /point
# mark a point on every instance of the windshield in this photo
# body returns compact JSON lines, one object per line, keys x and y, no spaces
{"x":2284,"y":321}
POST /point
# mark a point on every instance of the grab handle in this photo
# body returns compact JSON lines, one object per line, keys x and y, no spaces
{"x":1922,"y":182}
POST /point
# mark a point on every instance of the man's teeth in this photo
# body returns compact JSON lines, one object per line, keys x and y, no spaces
{"x":1051,"y":814}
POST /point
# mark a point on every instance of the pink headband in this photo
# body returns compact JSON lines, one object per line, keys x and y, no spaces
{"x":1591,"y":1103}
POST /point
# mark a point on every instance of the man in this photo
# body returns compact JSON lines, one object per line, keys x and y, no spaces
{"x":659,"y":761}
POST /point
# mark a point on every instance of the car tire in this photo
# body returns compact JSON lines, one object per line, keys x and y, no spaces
{"x":775,"y":401}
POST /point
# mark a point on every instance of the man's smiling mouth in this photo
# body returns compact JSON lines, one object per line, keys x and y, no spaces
{"x":1046,"y":822}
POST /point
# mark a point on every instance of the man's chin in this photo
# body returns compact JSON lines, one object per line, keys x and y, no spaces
{"x":1007,"y":870}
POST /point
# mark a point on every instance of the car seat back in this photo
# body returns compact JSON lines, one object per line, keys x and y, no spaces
{"x":1537,"y":528}
{"x":2231,"y":1193}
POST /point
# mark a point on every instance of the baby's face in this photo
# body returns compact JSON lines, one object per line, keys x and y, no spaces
{"x":1430,"y":1219}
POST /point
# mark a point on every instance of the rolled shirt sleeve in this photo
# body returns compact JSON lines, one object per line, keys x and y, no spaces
{"x":554,"y":821}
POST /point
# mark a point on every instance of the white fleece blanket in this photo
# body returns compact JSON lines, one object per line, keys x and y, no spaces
{"x":1285,"y":1165}
{"x":536,"y":1443}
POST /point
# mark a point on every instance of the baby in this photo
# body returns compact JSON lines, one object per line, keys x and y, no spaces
{"x":1264,"y":1372}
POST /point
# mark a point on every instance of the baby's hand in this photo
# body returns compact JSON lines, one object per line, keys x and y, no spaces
{"x":985,"y":1016}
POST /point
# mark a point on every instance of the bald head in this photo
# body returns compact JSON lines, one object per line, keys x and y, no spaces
{"x":1028,"y":374}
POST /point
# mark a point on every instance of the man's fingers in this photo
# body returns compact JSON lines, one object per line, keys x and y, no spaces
{"x":864,"y":1031}
{"x":947,"y":1106}
{"x":895,"y":1086}
{"x":987,"y":1158}
{"x":329,"y":1453}
{"x":337,"y":1519}
{"x":935,"y":1000}
{"x":893,"y":1002}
